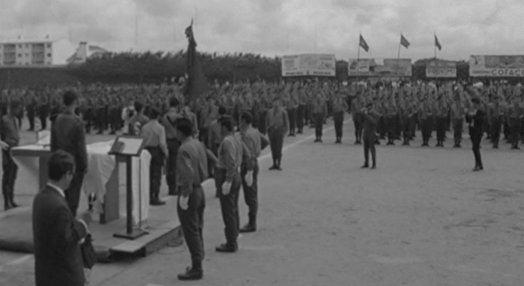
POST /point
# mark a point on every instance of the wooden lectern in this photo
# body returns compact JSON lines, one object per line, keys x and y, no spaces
{"x":127,"y":147}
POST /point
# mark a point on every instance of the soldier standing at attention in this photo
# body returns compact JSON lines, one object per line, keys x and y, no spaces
{"x":43,"y":110}
{"x":370,"y":120}
{"x":232,"y":152}
{"x":173,"y":145}
{"x":475,"y":119}
{"x":301,"y":111}
{"x":340,"y":106}
{"x":515,"y":115}
{"x":10,"y":137}
{"x":191,"y":165}
{"x":291,"y":112}
{"x":30,"y":106}
{"x":426,"y":119}
{"x":495,"y":115}
{"x":155,"y":143}
{"x":457,"y":119}
{"x":277,"y":126}
{"x":255,"y":143}
{"x":441,"y":114}
{"x":356,"y":108}
{"x":214,"y":138}
{"x":320,"y":112}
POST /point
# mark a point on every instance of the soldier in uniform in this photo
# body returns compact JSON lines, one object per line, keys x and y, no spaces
{"x":475,"y":119}
{"x":457,"y":120}
{"x":340,"y":106}
{"x":515,"y":115}
{"x":10,"y":137}
{"x":370,"y":120}
{"x":301,"y":111}
{"x":30,"y":106}
{"x":291,"y":107}
{"x":356,"y":107}
{"x":255,"y":143}
{"x":495,"y":116}
{"x":320,"y":113}
{"x":43,"y":110}
{"x":191,"y":172}
{"x":232,"y":152}
{"x":155,"y":143}
{"x":409,"y":115}
{"x":426,"y":119}
{"x":277,"y":128}
{"x":173,"y":144}
{"x":441,"y":114}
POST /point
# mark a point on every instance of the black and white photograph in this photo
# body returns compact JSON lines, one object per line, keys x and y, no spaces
{"x":262,"y":142}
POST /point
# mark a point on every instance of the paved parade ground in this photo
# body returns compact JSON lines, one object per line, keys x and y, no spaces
{"x":421,"y":218}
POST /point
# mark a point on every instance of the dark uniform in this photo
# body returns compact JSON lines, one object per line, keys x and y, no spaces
{"x":457,"y":120}
{"x":495,"y":117}
{"x":232,"y":152}
{"x":339,"y":109}
{"x":441,"y":114}
{"x":356,"y":107}
{"x":319,"y":113}
{"x":255,"y":143}
{"x":191,"y":171}
{"x":277,"y":126}
{"x":515,"y":115}
{"x":10,"y":134}
{"x":370,"y":120}
{"x":68,"y":134}
{"x":173,"y":146}
{"x":476,"y":122}
{"x":30,"y":107}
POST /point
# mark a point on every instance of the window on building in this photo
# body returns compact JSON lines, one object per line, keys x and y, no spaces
{"x":19,"y":55}
{"x":48,"y":46}
{"x":20,"y":46}
{"x":49,"y":55}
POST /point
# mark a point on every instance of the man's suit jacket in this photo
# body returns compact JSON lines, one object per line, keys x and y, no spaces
{"x":68,"y":134}
{"x":57,"y":235}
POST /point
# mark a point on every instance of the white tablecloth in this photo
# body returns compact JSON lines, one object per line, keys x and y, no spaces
{"x":100,"y":169}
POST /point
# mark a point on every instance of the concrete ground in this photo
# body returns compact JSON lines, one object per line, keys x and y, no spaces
{"x":422,"y":218}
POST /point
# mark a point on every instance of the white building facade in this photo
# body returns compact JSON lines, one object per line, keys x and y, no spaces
{"x":26,"y":53}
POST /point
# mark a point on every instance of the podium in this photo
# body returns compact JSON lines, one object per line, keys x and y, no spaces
{"x":125,"y":148}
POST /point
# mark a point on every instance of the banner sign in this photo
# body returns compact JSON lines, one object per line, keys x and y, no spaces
{"x":380,"y":67}
{"x":309,"y":65}
{"x":441,"y":69}
{"x":496,"y":66}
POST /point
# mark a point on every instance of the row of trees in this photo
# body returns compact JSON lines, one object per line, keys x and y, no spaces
{"x":157,"y":67}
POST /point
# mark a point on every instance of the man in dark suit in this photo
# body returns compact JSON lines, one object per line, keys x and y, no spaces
{"x":57,"y":234}
{"x":68,"y":134}
{"x":475,"y":119}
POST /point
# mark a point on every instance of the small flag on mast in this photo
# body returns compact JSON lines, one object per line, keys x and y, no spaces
{"x":404,"y":41}
{"x":363,"y":44}
{"x":437,"y":43}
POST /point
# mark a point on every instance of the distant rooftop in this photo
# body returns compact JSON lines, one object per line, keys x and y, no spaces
{"x":24,"y":41}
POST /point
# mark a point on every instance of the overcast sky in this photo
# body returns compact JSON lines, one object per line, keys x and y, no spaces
{"x":277,"y":27}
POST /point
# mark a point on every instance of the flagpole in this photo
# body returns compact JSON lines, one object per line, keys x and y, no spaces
{"x":398,"y":57}
{"x":435,"y":44}
{"x":358,"y":53}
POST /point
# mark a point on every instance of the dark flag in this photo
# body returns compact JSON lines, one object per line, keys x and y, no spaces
{"x":437,"y":43}
{"x":363,"y":44}
{"x":404,"y":41}
{"x":196,"y":83}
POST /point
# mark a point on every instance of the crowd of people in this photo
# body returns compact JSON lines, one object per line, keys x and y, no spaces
{"x":221,"y":133}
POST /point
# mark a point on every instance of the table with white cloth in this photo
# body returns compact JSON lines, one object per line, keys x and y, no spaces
{"x":106,"y":178}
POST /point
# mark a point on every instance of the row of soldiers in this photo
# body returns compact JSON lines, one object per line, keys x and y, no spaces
{"x":404,"y":109}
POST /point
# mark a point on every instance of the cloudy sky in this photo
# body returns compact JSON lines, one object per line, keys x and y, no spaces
{"x":277,"y":27}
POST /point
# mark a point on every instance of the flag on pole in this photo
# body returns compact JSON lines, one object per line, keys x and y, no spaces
{"x":363,"y":44}
{"x":437,"y":43}
{"x":404,"y":41}
{"x":196,"y":83}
